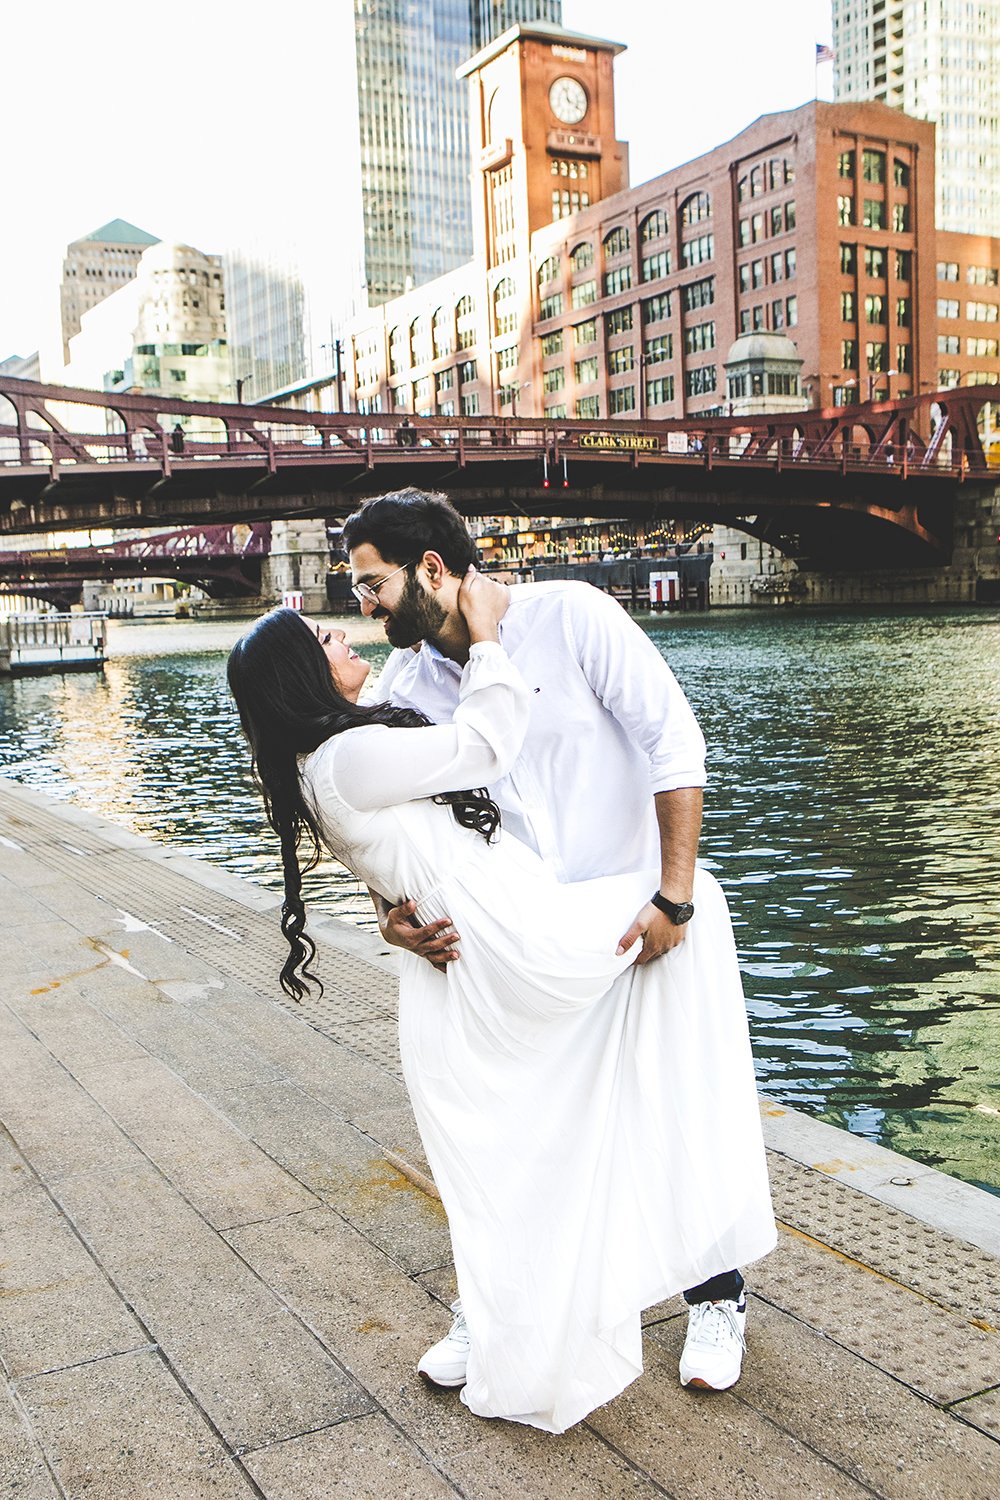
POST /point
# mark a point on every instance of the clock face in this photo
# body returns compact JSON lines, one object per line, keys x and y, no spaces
{"x":568,"y":99}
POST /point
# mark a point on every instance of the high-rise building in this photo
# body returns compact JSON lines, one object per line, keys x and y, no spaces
{"x":413,"y":113}
{"x":940,"y":62}
{"x":97,"y":265}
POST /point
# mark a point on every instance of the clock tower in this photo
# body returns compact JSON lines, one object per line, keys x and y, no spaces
{"x":542,"y":129}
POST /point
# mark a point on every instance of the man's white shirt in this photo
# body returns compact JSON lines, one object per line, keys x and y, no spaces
{"x":609,"y":726}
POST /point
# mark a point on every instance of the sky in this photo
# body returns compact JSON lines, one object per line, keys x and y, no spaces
{"x":214,"y":124}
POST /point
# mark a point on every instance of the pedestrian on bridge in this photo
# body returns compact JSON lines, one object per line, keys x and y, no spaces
{"x":177,"y":439}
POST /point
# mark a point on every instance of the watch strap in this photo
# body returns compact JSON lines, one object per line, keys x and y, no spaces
{"x":670,"y":908}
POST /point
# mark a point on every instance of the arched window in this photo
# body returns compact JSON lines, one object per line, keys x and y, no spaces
{"x":582,"y":256}
{"x":548,"y":270}
{"x":442,"y":332}
{"x":420,"y":340}
{"x":617,"y":241}
{"x":756,"y":181}
{"x":655,"y":226}
{"x":398,"y":353}
{"x":466,"y":315}
{"x":505,"y":306}
{"x":697,"y":207}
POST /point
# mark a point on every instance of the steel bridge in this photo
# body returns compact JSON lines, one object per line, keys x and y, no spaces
{"x":876,"y":482}
{"x":225,"y":561}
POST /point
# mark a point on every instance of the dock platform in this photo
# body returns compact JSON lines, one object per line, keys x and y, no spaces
{"x":218,"y":1266}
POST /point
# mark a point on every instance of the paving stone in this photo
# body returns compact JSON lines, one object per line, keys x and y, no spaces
{"x":24,"y":1474}
{"x":367,"y":1459}
{"x":219,"y":1171}
{"x":253,"y":1367}
{"x":862,"y":1420}
{"x":702,"y":1446}
{"x":929,"y":1348}
{"x":123,"y":1429}
{"x":56,"y":1306}
{"x":346,"y":1170}
{"x":983,"y":1412}
{"x":73,"y":1031}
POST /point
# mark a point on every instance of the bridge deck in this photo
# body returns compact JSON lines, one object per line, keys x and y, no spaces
{"x":220,"y":1266}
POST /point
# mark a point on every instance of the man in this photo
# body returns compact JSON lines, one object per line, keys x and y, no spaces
{"x":609,"y":780}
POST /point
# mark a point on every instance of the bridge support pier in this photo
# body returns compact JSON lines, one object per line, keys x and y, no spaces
{"x":299,"y":561}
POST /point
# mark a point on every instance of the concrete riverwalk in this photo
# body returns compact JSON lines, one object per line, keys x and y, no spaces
{"x":219,"y":1262}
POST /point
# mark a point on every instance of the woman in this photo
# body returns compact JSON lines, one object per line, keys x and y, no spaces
{"x":560,"y":1093}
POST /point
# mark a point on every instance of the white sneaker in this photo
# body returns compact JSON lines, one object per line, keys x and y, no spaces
{"x":445,"y":1362}
{"x":715,"y":1343}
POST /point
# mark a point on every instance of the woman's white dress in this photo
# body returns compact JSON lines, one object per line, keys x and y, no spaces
{"x":592,"y":1127}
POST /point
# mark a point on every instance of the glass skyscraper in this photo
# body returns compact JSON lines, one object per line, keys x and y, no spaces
{"x":413,"y":111}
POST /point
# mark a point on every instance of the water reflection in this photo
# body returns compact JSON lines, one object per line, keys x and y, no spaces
{"x":851,"y":817}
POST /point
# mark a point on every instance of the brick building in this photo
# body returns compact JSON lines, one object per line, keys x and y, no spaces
{"x":589,"y":298}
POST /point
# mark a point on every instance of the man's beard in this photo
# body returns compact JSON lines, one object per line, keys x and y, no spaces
{"x":416,"y":617}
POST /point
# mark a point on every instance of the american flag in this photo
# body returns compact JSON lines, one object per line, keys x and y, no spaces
{"x":824,"y":53}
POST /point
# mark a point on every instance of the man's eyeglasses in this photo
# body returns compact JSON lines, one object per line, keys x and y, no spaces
{"x":368,"y":592}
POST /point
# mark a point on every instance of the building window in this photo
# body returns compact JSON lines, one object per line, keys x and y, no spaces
{"x":585,"y":370}
{"x":874,"y":309}
{"x":655,"y":266}
{"x":442,"y":327}
{"x":948,"y":378}
{"x":757,"y":275}
{"x":877,"y":358}
{"x":554,"y":413}
{"x":618,"y":321}
{"x":949,"y":343}
{"x":981,"y":312}
{"x":620,"y":361}
{"x":507,"y":358}
{"x":422,"y":394}
{"x":903,"y":365}
{"x":845,"y":164}
{"x":568,"y":201}
{"x":656,"y":309}
{"x":981,"y":348}
{"x":776,"y":221}
{"x":466,"y":314}
{"x":777,"y":267}
{"x":849,"y":354}
{"x":583,"y":294}
{"x":548,"y":271}
{"x":554,"y":380}
{"x":759,"y":321}
{"x":467,"y":371}
{"x":982,"y":275}
{"x":552,"y":343}
{"x":783,"y":385}
{"x":696,"y":252}
{"x":700,"y":382}
{"x":444,"y":380}
{"x":791,"y":311}
{"x":745,"y":276}
{"x":745,"y":320}
{"x":399,"y":355}
{"x":446,"y":409}
{"x":777,"y":314}
{"x":698,"y":294}
{"x":582,"y":256}
{"x":848,"y":310}
{"x":848,"y":259}
{"x":658,"y":349}
{"x":566,"y":167}
{"x":507,"y":394}
{"x":654,"y":226}
{"x":587,"y":407}
{"x":900,"y":173}
{"x":550,"y":307}
{"x":947,"y":270}
{"x":696,"y":208}
{"x":660,"y":392}
{"x":178,"y":375}
{"x":470,"y":404}
{"x":790,"y":263}
{"x":756,"y":228}
{"x":621,"y":401}
{"x":845,"y":209}
{"x":617,"y":280}
{"x":904,"y":265}
{"x":874,"y":262}
{"x":617,"y":242}
{"x":903,"y":312}
{"x":901,"y":218}
{"x":585,"y":333}
{"x":947,"y":307}
{"x":505,"y":311}
{"x":873,"y":166}
{"x":699,"y":338}
{"x":873,"y":216}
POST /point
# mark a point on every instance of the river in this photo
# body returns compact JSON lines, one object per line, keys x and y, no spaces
{"x":852,"y":816}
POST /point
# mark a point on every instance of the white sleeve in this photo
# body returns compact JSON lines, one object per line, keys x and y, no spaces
{"x":634,"y":683}
{"x":380,"y":766}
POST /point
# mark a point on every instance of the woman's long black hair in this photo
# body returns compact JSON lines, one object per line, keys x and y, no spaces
{"x":288,"y":704}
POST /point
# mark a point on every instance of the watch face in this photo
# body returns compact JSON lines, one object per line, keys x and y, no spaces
{"x":568,"y":99}
{"x":685,"y":911}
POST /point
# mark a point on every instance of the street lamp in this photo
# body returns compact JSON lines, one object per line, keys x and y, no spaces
{"x":241,"y":381}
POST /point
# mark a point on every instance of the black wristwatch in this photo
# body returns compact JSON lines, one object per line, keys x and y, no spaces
{"x":679,"y":912}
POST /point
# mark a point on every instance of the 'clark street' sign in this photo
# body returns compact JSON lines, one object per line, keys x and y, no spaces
{"x":637,"y":441}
